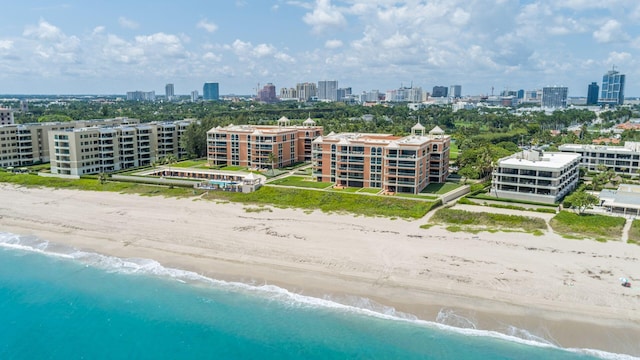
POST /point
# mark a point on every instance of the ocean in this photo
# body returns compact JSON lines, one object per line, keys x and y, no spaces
{"x":60,"y":303}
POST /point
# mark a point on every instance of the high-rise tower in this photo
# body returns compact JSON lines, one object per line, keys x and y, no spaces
{"x":554,"y":96}
{"x":210,"y":91}
{"x":328,"y":90}
{"x":168,"y":92}
{"x":612,"y":88}
{"x":592,"y":93}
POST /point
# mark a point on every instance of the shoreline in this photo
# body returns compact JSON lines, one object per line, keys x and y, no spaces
{"x":566,"y":291}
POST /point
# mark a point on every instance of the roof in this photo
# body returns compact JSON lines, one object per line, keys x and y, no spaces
{"x":549,"y":160}
{"x":626,"y":196}
{"x":436,"y":130}
{"x":418,"y":126}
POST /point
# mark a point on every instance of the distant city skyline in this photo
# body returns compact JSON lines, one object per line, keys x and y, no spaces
{"x":115,"y":47}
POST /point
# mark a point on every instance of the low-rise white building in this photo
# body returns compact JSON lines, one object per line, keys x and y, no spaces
{"x":625,"y":200}
{"x":532,"y":175}
{"x":624,"y":160}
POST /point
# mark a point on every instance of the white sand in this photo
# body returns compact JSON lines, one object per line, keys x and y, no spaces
{"x":565,"y":290}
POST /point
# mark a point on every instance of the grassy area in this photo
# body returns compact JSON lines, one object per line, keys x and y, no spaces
{"x":546,"y":210}
{"x":32,"y":180}
{"x":369,"y":190}
{"x":330,"y":201}
{"x":347,"y":189}
{"x":416,"y":196}
{"x":634,"y":233}
{"x":37,"y":168}
{"x":505,"y":200}
{"x":440,"y":188}
{"x":599,"y":227}
{"x":233,"y":168}
{"x":300,"y":181}
{"x":190,"y":163}
{"x":462,"y":220}
{"x":453,"y":151}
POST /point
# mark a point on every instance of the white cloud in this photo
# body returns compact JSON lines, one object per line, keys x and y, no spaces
{"x":586,"y":4}
{"x":127,"y":23}
{"x":240,"y":47}
{"x":209,"y":56}
{"x":610,"y":31}
{"x":284,"y":57}
{"x":359,"y":42}
{"x":397,"y":40}
{"x":333,"y":44}
{"x":324,"y":16}
{"x":460,"y":17}
{"x":262,"y":50}
{"x":618,"y":58}
{"x":207,"y":26}
{"x":98,"y":30}
{"x":43,"y":31}
{"x":121,"y":51}
{"x":6,"y":44}
{"x":161,"y":44}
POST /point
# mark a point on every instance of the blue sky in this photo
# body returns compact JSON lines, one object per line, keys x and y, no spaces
{"x":110,"y":47}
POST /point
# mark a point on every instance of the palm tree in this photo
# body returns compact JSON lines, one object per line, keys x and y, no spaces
{"x":272,"y":160}
{"x":169,"y":159}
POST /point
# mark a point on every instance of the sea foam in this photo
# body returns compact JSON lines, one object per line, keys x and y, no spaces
{"x":447,"y":319}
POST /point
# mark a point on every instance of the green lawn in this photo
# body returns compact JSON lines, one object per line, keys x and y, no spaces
{"x":634,"y":232}
{"x":468,"y":220}
{"x":416,"y":196}
{"x":33,"y":180}
{"x":599,"y":227}
{"x":440,"y":188}
{"x":369,"y":190}
{"x":453,"y":151}
{"x":300,"y":181}
{"x":190,"y":163}
{"x":330,"y":201}
{"x":233,"y":168}
{"x":348,"y":189}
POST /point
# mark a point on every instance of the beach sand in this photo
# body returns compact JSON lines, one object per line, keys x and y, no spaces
{"x":566,"y":291}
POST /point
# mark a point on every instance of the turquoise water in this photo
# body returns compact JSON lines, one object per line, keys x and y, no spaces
{"x":59,"y":303}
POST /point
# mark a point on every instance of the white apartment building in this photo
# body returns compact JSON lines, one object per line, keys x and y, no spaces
{"x":624,"y":160}
{"x":532,"y":175}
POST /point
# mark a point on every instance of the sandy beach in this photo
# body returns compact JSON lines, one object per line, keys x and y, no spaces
{"x":566,"y":291}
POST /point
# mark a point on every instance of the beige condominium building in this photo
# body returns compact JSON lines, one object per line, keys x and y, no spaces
{"x":28,"y":144}
{"x":94,"y":150}
{"x":6,"y":116}
{"x":169,"y":134}
{"x":392,"y":163}
{"x":98,"y":149}
{"x":250,"y":145}
{"x":532,"y":175}
{"x":624,"y":160}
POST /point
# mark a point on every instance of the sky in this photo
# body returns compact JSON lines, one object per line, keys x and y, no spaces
{"x":111,"y":47}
